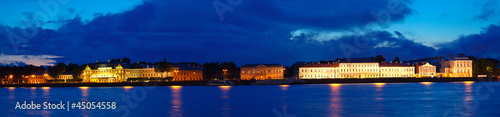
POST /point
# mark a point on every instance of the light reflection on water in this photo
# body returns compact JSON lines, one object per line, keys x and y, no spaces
{"x":176,"y":109}
{"x":284,"y":87}
{"x":335,"y":100}
{"x":378,"y":99}
{"x":225,"y":98}
{"x":468,"y":99}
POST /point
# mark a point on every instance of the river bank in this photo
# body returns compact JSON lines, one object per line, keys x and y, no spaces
{"x":246,"y":82}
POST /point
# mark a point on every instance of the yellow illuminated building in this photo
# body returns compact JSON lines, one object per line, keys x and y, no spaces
{"x":355,"y":70}
{"x":115,"y":72}
{"x":121,"y":72}
{"x":459,"y":66}
{"x":425,"y":70}
{"x":396,"y":70}
{"x":261,"y":71}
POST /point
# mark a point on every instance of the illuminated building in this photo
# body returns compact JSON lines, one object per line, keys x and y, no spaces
{"x":459,"y":66}
{"x":355,"y":70}
{"x":63,"y":77}
{"x":38,"y":77}
{"x":187,"y":72}
{"x":107,"y":72}
{"x":319,"y":71}
{"x":425,"y":70}
{"x":262,"y":71}
{"x":396,"y":70}
{"x":359,"y":70}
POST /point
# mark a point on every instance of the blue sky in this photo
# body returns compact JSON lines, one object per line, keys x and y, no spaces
{"x":258,"y":31}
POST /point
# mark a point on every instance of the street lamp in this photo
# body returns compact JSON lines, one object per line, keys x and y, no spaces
{"x":225,"y":70}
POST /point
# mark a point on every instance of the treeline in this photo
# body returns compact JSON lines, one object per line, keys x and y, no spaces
{"x":17,"y":72}
{"x":212,"y":70}
{"x":484,"y":66}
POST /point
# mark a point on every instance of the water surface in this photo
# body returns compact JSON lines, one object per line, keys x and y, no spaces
{"x":369,"y":99}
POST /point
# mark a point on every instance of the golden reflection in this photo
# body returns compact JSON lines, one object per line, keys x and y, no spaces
{"x":468,"y":99}
{"x":84,"y":93}
{"x":379,"y":84}
{"x":46,"y":92}
{"x":11,"y":93}
{"x":284,"y":87}
{"x":176,"y":109}
{"x":335,"y":100}
{"x":426,"y":83}
{"x":468,"y":82}
{"x":225,"y":89}
{"x":33,"y":92}
{"x":127,"y":88}
{"x":335,"y":85}
{"x":225,"y":96}
{"x":176,"y":87}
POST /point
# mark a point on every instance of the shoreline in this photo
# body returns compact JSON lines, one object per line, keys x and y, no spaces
{"x":246,"y":82}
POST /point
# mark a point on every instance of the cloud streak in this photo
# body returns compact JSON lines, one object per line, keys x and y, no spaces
{"x":37,"y":60}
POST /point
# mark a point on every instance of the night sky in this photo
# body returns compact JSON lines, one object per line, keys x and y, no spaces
{"x":244,"y":31}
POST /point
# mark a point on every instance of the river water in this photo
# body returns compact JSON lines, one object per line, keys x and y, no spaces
{"x":365,"y":99}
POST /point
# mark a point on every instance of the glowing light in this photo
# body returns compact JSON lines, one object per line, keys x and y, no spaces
{"x":12,"y":87}
{"x":33,"y":87}
{"x":83,"y":87}
{"x":45,"y":87}
{"x":379,"y":84}
{"x":426,"y":83}
{"x":468,"y":82}
{"x":284,"y":87}
{"x":335,"y":84}
{"x":176,"y":87}
{"x":128,"y":87}
{"x":225,"y":88}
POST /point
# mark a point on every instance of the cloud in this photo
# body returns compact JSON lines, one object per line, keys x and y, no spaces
{"x":255,"y":31}
{"x":483,"y":44}
{"x":488,"y":12}
{"x":37,"y":60}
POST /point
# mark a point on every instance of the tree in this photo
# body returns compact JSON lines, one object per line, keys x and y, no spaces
{"x":57,"y":70}
{"x":484,"y":66}
{"x":164,"y":66}
{"x":379,"y":59}
{"x":396,"y":60}
{"x":126,"y":60}
{"x":211,"y":70}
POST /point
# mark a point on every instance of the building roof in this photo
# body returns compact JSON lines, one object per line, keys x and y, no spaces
{"x":109,"y":64}
{"x":356,"y":60}
{"x":394,"y":65}
{"x":461,"y":58}
{"x":267,"y":65}
{"x":188,"y":67}
{"x":321,"y":65}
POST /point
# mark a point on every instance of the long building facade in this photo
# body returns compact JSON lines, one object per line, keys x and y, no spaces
{"x":122,"y":72}
{"x":262,"y":71}
{"x":356,"y":70}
